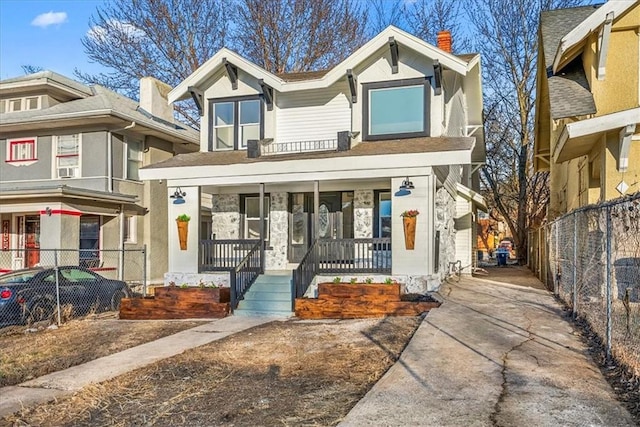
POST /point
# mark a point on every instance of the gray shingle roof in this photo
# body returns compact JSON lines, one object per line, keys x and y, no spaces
{"x":387,"y":147}
{"x":98,"y":98}
{"x":569,"y":93}
{"x":50,"y":75}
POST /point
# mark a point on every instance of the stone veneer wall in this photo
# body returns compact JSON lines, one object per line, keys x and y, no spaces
{"x":363,"y":214}
{"x":445,"y":210}
{"x":276,"y":258}
{"x":225,"y":216}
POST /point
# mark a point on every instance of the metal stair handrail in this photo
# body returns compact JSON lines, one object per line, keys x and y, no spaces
{"x":245,"y":273}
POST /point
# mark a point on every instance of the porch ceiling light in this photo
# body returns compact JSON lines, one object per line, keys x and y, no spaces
{"x":178,"y":196}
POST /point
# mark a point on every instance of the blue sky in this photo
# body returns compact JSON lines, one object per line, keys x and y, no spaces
{"x":46,"y":34}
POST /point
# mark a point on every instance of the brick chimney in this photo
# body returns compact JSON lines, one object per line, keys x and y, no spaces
{"x":444,"y":40}
{"x":153,"y":98}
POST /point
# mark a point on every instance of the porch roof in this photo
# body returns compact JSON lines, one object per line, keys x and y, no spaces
{"x":373,"y":148}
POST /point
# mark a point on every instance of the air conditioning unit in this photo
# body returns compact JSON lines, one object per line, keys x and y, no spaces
{"x":66,"y":172}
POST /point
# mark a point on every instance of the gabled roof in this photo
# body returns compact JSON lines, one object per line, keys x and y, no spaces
{"x":579,"y":33}
{"x":97,"y":102}
{"x":569,"y":93}
{"x":323,"y":79}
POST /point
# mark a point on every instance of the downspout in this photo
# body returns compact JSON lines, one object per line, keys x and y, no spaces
{"x":121,"y":257}
{"x":110,"y":153}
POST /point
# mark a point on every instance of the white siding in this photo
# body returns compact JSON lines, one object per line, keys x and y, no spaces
{"x":313,"y":114}
{"x":464,"y":231}
{"x":455,"y":113}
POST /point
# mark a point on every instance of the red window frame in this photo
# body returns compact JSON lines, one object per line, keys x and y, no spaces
{"x":13,"y":143}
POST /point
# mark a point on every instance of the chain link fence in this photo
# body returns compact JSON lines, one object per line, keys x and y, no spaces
{"x":590,"y":259}
{"x":63,"y":284}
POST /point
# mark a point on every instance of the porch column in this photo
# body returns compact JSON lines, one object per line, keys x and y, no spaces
{"x":262,"y":231}
{"x":316,"y":208}
{"x":420,"y":260}
{"x":183,"y":260}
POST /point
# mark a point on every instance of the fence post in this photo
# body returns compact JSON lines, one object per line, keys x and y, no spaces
{"x":144,"y":269}
{"x":232,"y":285}
{"x":556,"y":285}
{"x":57,"y":273}
{"x":609,"y":284}
{"x":575,"y":265}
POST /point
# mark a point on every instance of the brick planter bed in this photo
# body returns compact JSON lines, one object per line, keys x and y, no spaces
{"x":361,"y":300}
{"x":178,"y":303}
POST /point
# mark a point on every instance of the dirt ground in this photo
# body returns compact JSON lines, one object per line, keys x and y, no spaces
{"x":31,"y":353}
{"x":291,"y":373}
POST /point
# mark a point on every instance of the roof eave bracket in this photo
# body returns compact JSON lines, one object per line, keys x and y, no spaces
{"x":267,"y":92}
{"x":393,"y":47}
{"x":198,"y":98}
{"x":626,"y":134}
{"x":232,"y":72}
{"x":437,"y":74}
{"x":603,"y":45}
{"x":353,"y":88}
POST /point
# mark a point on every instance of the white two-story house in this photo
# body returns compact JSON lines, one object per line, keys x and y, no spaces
{"x":336,"y":156}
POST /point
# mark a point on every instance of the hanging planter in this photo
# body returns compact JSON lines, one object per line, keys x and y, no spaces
{"x":183,"y":230}
{"x":409,"y":224}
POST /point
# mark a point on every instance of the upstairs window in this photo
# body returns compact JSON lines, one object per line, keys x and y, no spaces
{"x":134,"y":159}
{"x":20,"y":104}
{"x":396,"y":109}
{"x":233,"y":122}
{"x":21,"y":150}
{"x":67,"y":156}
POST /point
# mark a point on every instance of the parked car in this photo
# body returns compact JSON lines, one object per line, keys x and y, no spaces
{"x":29,"y":295}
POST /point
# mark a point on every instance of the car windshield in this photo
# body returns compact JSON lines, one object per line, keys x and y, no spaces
{"x":18,"y":277}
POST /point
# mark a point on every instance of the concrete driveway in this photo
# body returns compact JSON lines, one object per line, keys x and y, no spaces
{"x":493,"y":354}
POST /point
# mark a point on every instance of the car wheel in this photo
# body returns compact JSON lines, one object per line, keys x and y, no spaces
{"x":41,"y":310}
{"x":117,"y":297}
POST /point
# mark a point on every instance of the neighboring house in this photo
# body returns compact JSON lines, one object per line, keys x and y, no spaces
{"x":69,"y":177}
{"x":588,"y":103}
{"x":337,"y":155}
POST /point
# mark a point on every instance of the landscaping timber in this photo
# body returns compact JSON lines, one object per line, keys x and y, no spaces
{"x":361,"y":300}
{"x":178,"y":303}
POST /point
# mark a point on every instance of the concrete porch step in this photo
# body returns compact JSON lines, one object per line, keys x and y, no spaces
{"x":269,"y":295}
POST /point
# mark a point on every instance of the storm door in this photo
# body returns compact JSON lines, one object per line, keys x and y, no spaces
{"x":335,"y":220}
{"x":32,"y":239}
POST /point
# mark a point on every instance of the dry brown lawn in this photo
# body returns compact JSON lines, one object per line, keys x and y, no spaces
{"x":291,"y":373}
{"x":28,"y":354}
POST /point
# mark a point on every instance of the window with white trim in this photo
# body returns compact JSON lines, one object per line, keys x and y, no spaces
{"x":20,"y":104}
{"x":134,"y":159}
{"x":130,"y":229}
{"x":67,"y":156}
{"x":21,"y":150}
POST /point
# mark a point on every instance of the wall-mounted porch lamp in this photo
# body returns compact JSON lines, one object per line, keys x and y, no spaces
{"x":405,"y":188}
{"x":178,"y":196}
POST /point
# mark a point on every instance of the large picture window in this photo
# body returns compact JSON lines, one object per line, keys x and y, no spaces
{"x":397,"y":109}
{"x":233,"y":122}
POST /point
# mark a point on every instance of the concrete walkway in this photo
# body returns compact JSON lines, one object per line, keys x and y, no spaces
{"x":62,"y":383}
{"x":493,"y":354}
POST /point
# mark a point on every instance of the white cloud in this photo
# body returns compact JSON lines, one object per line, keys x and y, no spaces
{"x":99,"y":33}
{"x":410,"y":2}
{"x":50,"y":18}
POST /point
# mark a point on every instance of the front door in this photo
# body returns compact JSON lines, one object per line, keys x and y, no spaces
{"x":32,"y":240}
{"x":335,"y":220}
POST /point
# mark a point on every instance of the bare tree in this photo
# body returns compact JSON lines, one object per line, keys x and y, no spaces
{"x":30,"y":69}
{"x":382,"y":13}
{"x":166,"y":39}
{"x":506,"y":35}
{"x":427,"y":17}
{"x":298,"y":35}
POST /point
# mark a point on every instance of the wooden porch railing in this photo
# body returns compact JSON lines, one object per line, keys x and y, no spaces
{"x":223,"y":255}
{"x":342,"y":256}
